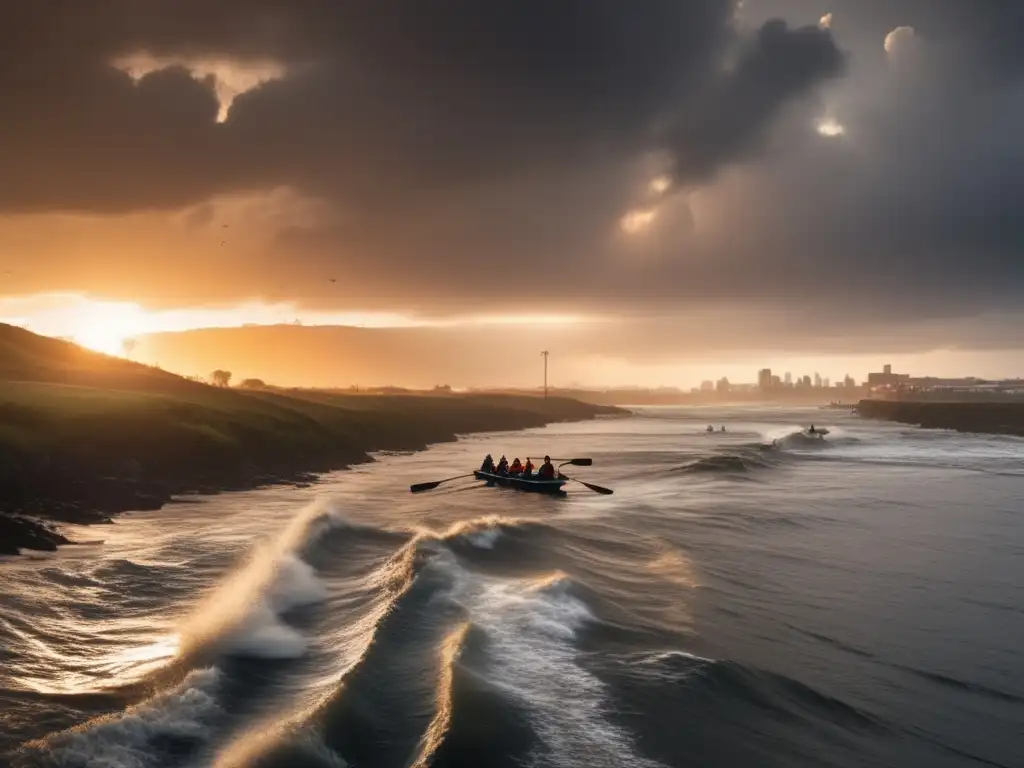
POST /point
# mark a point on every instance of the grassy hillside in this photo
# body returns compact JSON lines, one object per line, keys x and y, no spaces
{"x":83,"y":434}
{"x":25,"y":356}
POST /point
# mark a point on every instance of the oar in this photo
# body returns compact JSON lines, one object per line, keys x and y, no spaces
{"x":430,"y":486}
{"x":576,"y":462}
{"x":591,"y":486}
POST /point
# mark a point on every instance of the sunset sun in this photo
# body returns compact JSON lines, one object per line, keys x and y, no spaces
{"x":104,"y":326}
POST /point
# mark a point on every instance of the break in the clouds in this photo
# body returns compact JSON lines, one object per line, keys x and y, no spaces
{"x":836,"y":159}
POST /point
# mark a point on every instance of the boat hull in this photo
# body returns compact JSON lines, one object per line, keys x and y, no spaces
{"x":550,"y":487}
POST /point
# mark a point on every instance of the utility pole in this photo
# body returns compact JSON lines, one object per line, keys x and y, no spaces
{"x":545,"y":354}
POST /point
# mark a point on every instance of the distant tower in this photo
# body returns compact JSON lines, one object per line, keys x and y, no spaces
{"x":545,"y":354}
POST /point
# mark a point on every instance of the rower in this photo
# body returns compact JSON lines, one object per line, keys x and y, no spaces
{"x":488,"y":464}
{"x":710,"y":428}
{"x":516,"y":467}
{"x":528,"y":468}
{"x":812,"y":430}
{"x":547,"y":470}
{"x":503,"y":465}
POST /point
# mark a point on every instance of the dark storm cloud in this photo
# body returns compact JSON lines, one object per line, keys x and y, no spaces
{"x":452,"y":139}
{"x":778,"y":64}
{"x":384,"y":99}
{"x":924,"y":193}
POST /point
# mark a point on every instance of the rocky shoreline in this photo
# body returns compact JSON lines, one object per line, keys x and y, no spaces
{"x":994,"y":418}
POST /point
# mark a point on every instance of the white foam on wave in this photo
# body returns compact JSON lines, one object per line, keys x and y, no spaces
{"x":262,"y":633}
{"x":531,"y":629}
{"x":242,"y":614}
{"x":661,"y":656}
{"x":125,"y":740}
{"x":485,"y":539}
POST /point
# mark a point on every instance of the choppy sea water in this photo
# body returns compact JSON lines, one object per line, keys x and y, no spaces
{"x":854,"y":601}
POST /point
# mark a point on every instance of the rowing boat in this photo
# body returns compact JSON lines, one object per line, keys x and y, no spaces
{"x":532,"y":484}
{"x":553,"y":487}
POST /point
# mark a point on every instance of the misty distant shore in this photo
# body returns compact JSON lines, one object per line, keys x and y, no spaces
{"x":995,"y":418}
{"x":84,"y":437}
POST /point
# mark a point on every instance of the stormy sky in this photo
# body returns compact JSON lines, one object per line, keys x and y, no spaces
{"x":801,"y":174}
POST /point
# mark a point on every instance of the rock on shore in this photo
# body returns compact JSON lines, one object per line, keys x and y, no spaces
{"x":17,"y":533}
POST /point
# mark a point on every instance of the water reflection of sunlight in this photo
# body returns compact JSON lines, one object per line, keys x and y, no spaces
{"x":101,"y":671}
{"x":131,"y":664}
{"x":675,"y":568}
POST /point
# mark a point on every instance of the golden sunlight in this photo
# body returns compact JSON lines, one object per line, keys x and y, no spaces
{"x":660,"y":184}
{"x":104,"y":326}
{"x":635,"y":221}
{"x":112,"y":327}
{"x":830,"y":127}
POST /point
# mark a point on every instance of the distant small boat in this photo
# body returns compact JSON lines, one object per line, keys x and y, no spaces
{"x":820,"y":433}
{"x":553,"y":487}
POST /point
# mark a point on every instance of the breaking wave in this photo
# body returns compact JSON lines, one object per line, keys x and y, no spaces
{"x":738,"y":460}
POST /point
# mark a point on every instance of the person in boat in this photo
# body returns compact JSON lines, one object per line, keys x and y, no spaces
{"x":812,"y":430}
{"x":503,"y":466}
{"x":547,"y":470}
{"x":488,"y":464}
{"x":528,"y":468}
{"x":723,"y":427}
{"x":710,"y":428}
{"x":516,"y":467}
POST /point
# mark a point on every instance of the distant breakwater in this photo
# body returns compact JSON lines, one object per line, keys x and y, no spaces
{"x":36,"y":496}
{"x":997,"y":418}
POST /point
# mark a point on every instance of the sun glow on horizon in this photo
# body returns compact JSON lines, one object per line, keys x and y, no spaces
{"x":105,"y":326}
{"x":112,"y":327}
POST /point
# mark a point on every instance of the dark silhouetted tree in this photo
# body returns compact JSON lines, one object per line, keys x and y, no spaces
{"x":253,"y":384}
